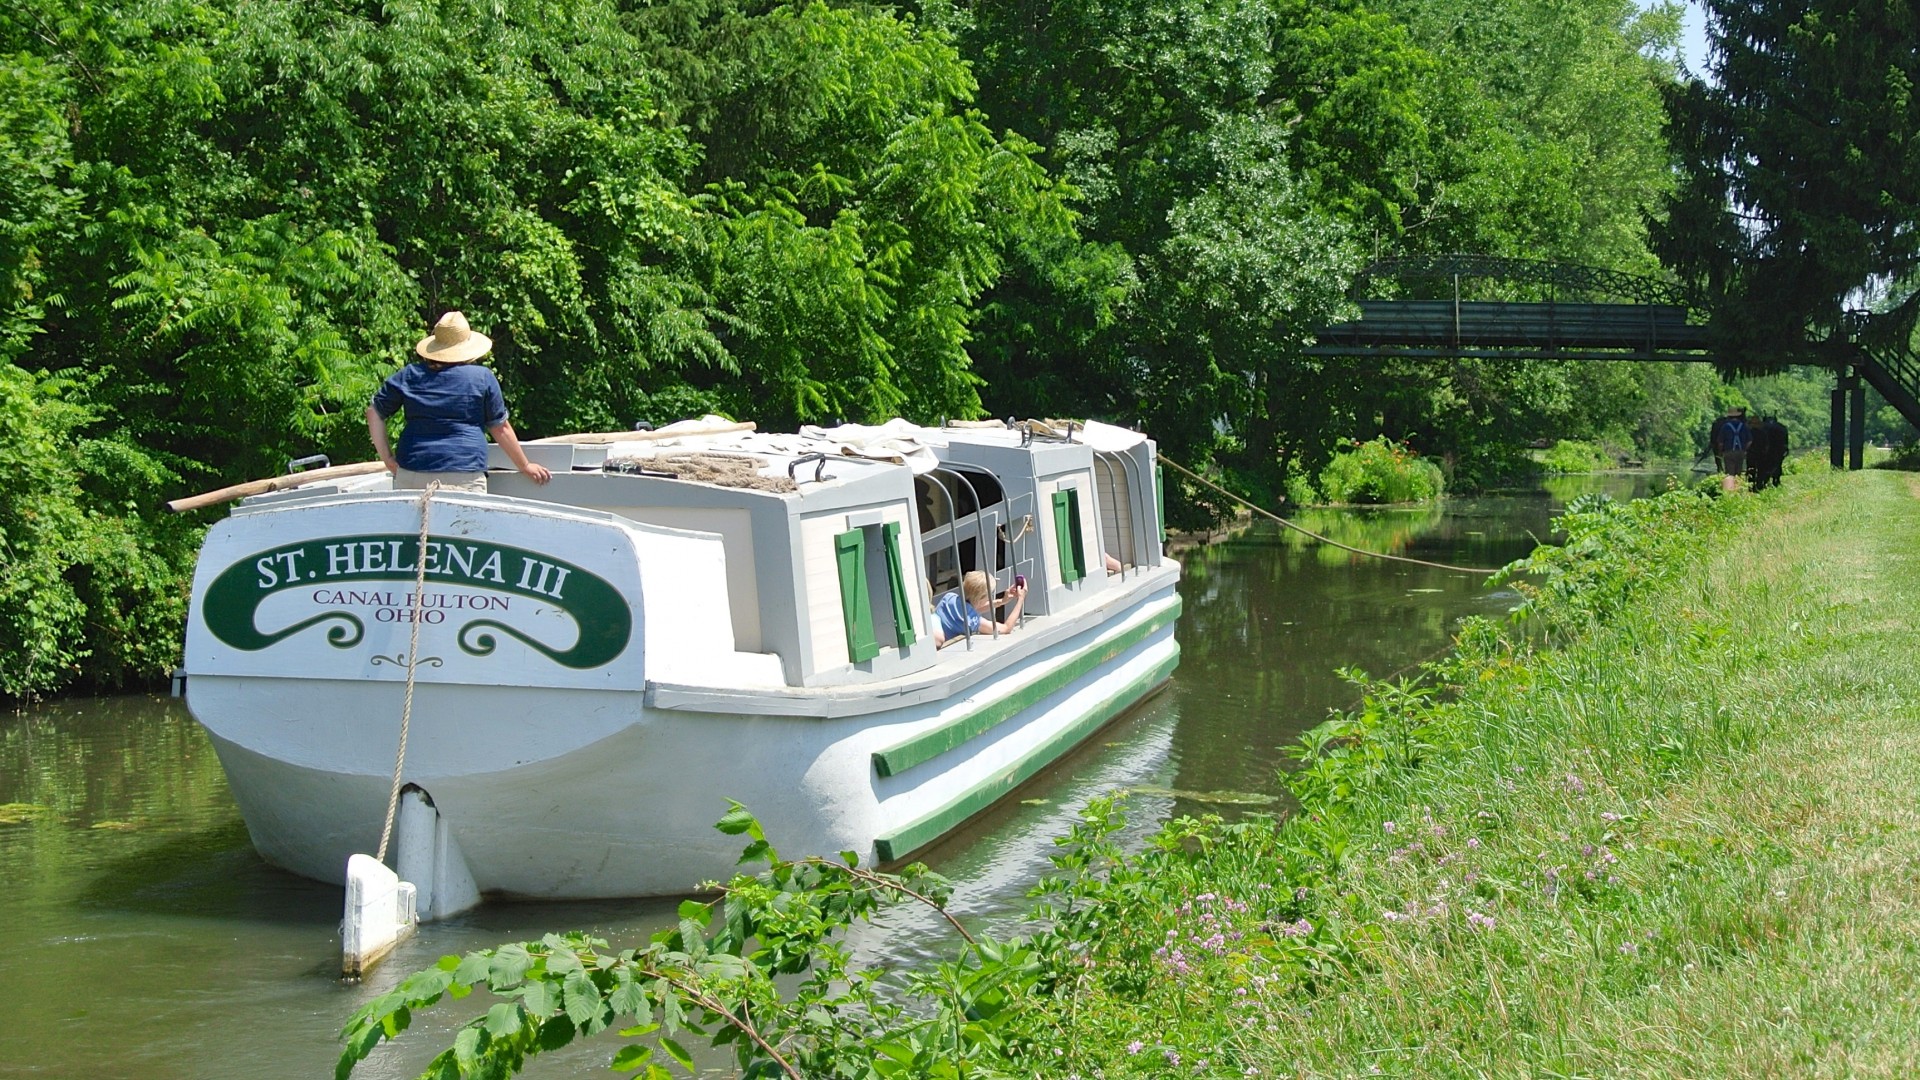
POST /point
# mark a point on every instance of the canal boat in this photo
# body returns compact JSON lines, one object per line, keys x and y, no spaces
{"x":677,"y":620}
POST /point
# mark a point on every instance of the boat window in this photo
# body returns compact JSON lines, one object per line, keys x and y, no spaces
{"x":874,"y":595}
{"x":963,"y":517}
{"x":1121,"y":510}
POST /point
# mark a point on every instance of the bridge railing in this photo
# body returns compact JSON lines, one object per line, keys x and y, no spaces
{"x":1570,"y":277}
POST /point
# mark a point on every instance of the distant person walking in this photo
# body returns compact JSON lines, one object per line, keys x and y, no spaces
{"x":1729,"y":439}
{"x":1768,"y":454}
{"x":452,"y":404}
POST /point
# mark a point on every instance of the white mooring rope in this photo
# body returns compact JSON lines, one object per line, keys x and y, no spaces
{"x":413,"y":658}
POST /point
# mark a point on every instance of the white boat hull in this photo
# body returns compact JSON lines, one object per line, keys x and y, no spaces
{"x":581,"y":793}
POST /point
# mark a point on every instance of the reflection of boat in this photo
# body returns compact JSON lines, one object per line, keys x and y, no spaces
{"x":605,"y":660}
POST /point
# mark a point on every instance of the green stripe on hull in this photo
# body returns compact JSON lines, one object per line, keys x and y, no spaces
{"x":928,"y":745}
{"x":918,"y":834}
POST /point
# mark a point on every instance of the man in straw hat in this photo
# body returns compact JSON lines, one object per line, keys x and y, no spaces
{"x":449,"y":401}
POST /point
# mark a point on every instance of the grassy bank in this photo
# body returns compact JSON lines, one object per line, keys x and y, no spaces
{"x":1684,"y":843}
{"x":1679,"y":840}
{"x":1703,"y":855}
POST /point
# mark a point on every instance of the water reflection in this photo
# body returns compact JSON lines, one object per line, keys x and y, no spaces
{"x":144,"y":937}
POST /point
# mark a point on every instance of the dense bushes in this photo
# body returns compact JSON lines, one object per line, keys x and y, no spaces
{"x":221,"y":224}
{"x":1573,"y":456}
{"x":90,"y":590}
{"x":1380,"y":471}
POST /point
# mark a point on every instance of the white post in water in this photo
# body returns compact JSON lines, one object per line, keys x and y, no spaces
{"x":379,"y":915}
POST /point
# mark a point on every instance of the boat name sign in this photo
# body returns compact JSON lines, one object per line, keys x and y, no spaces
{"x":479,"y":589}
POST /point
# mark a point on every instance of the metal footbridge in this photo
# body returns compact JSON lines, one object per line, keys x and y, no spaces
{"x":1577,"y":312}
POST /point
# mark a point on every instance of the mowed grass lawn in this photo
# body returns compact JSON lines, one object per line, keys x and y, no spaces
{"x":1691,"y":846}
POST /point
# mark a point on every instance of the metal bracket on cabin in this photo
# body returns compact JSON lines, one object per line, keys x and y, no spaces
{"x":311,"y":461}
{"x":819,"y":460}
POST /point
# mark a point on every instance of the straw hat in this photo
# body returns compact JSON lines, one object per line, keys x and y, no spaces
{"x":453,"y":341}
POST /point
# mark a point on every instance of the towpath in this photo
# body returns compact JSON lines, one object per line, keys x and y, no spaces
{"x":1711,"y":865}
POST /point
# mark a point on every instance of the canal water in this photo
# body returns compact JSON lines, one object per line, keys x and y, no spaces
{"x":141,"y":936}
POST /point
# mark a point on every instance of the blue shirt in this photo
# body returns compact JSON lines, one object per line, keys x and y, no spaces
{"x":957,"y":617}
{"x":449,"y":412}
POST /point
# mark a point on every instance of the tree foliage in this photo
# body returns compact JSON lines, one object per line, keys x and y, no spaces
{"x":1801,"y":191}
{"x":223,"y":221}
{"x":1343,"y":130}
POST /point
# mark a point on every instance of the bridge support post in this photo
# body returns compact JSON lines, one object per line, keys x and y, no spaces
{"x":1857,"y":428}
{"x":1837,"y":422}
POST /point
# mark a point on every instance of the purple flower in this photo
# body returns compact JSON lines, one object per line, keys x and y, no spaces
{"x":1136,"y":1046}
{"x":1387,"y":826}
{"x":1473,"y":842}
{"x":1478,"y":921}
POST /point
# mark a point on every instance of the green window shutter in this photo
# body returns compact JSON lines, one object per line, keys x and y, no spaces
{"x":850,"y":548}
{"x":897,"y":579}
{"x":1160,"y":498}
{"x":1066,"y":536}
{"x":1073,"y":526}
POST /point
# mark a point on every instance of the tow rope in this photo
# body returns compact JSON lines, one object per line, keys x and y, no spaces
{"x":1190,"y":474}
{"x":413,"y":657}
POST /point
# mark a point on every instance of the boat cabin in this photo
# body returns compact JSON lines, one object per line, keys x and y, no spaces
{"x":838,"y":542}
{"x":771,"y":561}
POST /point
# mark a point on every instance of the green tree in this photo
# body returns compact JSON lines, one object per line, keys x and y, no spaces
{"x":1801,"y":192}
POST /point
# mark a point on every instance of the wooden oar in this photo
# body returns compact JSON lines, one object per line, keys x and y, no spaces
{"x":277,"y":483}
{"x":364,"y":468}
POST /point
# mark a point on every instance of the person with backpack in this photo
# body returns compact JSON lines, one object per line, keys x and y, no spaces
{"x":1729,"y":439}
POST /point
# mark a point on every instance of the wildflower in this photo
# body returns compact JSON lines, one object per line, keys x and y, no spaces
{"x":1173,"y":1056}
{"x":1628,"y":948}
{"x":1136,"y":1046}
{"x":1609,"y":816}
{"x":1576,"y":785}
{"x":1478,"y":921}
{"x":1392,"y":916}
{"x":1473,"y":842}
{"x":1388,"y":826}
